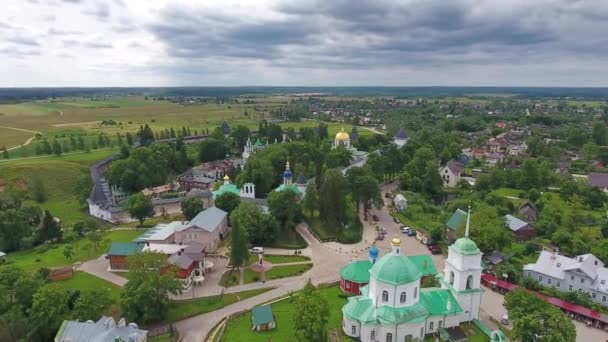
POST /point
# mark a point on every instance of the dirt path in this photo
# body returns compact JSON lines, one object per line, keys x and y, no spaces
{"x":22,"y":130}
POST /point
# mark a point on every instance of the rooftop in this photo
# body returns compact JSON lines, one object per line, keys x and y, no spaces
{"x":124,"y":248}
{"x":598,"y":179}
{"x":104,"y":330}
{"x":514,"y":223}
{"x":457,"y":219}
{"x":261,"y":314}
{"x":208,"y":219}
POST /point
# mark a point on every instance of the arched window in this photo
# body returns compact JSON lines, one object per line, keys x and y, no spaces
{"x":385,"y":296}
{"x":389,"y":337}
{"x":451,"y":277}
{"x":415,"y":292}
{"x":469,"y":282}
{"x":402,"y":297}
{"x":373,"y":335}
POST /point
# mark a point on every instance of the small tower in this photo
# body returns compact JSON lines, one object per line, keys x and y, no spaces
{"x":396,"y":245}
{"x":373,"y":254}
{"x":287,"y":175}
{"x":226,"y":180}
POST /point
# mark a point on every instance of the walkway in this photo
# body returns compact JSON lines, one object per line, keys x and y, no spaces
{"x":99,"y":268}
{"x":27,"y":142}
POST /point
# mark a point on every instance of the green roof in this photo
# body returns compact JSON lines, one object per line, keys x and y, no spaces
{"x":261,"y":315}
{"x":124,"y":248}
{"x":411,"y":314}
{"x":395,"y":269}
{"x":224,"y":188}
{"x":357,"y":271}
{"x":436,"y":301}
{"x":466,"y":246}
{"x":457,"y":219}
{"x":258,"y":142}
{"x":425,"y":264}
{"x":291,"y":187}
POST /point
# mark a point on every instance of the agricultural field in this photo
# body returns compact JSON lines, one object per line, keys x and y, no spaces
{"x":60,"y":175}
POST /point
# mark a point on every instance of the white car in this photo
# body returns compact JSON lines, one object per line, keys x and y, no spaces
{"x":405,"y":229}
{"x":257,"y":250}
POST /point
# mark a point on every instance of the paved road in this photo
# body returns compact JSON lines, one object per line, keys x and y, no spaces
{"x":99,"y":268}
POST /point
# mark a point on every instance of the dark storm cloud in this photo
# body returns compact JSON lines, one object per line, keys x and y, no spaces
{"x":369,"y":33}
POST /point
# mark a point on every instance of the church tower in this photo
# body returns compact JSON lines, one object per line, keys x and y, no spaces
{"x":287,"y":175}
{"x":462,"y":274}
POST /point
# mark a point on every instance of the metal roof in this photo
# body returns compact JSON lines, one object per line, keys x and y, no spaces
{"x":124,"y":248}
{"x":457,"y":219}
{"x":104,"y":330}
{"x":261,"y":314}
{"x":208,"y":219}
{"x":514,"y":223}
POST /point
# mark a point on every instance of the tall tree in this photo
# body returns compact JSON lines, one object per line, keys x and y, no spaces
{"x":38,"y":190}
{"x":240,"y":134}
{"x":332,"y":197}
{"x":145,"y":298}
{"x":310,"y":202}
{"x":139,"y":207}
{"x":57,"y":147}
{"x":4,"y":152}
{"x":212,"y":149}
{"x":191,"y":207}
{"x":239,"y":254}
{"x":92,"y":304}
{"x":227,"y":201}
{"x":49,"y":229}
{"x":49,"y":309}
{"x":311,"y":315}
{"x":599,"y":133}
{"x":285,"y":207}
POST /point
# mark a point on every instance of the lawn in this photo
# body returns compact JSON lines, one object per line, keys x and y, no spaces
{"x":239,"y":327}
{"x":282,"y":259}
{"x":231,"y":278}
{"x":289,"y":239}
{"x":322,"y":231}
{"x":179,"y":310}
{"x":59,"y":175}
{"x":84,"y":281}
{"x":52,"y":255}
{"x":507,"y":192}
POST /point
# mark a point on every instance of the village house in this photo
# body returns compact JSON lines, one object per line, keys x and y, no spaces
{"x":582,"y":273}
{"x":119,"y":252}
{"x":520,"y":229}
{"x":528,"y":211}
{"x":104,"y":330}
{"x":450,"y":173}
{"x":207,"y":228}
{"x":494,"y":158}
{"x":195,"y":178}
{"x":157,"y":192}
{"x":599,"y":180}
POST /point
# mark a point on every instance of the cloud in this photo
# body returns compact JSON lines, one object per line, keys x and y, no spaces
{"x":101,"y":10}
{"x":23,"y":40}
{"x":98,"y":45}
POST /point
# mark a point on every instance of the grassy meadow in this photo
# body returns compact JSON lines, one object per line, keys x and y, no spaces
{"x":59,"y":174}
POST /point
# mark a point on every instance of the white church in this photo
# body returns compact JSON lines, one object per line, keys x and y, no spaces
{"x":393,"y":307}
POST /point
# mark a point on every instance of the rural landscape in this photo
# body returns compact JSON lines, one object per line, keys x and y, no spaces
{"x":303,"y":171}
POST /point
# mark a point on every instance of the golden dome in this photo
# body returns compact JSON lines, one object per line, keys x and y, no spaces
{"x":396,"y":241}
{"x":226,"y":178}
{"x":342,"y":136}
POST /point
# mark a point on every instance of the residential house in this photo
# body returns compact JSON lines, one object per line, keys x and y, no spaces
{"x":457,"y":220}
{"x":582,"y":273}
{"x":158,"y":191}
{"x":195,"y":178}
{"x":599,"y":180}
{"x":450,"y":173}
{"x":400,"y":202}
{"x":493,"y":259}
{"x":494,"y":158}
{"x":119,"y":253}
{"x":262,"y":318}
{"x":528,"y":211}
{"x":207,"y":228}
{"x":520,"y":229}
{"x":104,"y":330}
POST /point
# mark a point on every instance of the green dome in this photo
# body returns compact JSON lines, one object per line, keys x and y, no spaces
{"x":466,"y":246}
{"x":395,"y":269}
{"x":357,"y":271}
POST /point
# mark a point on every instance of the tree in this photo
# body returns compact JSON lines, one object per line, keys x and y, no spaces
{"x":261,"y":227}
{"x":68,"y":252}
{"x":4,"y":152}
{"x":38,"y":190}
{"x":139,"y":207}
{"x":49,"y":309}
{"x":227,"y":201}
{"x":239,"y":254}
{"x":48,"y":230}
{"x":56,"y":147}
{"x":311,"y":315}
{"x":534,"y":318}
{"x":310,"y":202}
{"x":284,"y":206}
{"x":92,"y":304}
{"x":145,"y":297}
{"x":599,"y":133}
{"x":191,"y":207}
{"x":332,"y":197}
{"x":240,"y":134}
{"x":367,"y":190}
{"x":212,"y":149}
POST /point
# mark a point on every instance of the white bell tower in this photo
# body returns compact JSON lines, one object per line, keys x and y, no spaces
{"x":462,"y":274}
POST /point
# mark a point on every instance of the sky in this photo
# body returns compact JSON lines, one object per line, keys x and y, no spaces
{"x":303,"y":43}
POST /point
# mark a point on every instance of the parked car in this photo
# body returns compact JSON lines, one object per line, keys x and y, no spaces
{"x":257,"y":250}
{"x":435,"y":249}
{"x":505,"y":320}
{"x":380,"y":236}
{"x":404,"y":229}
{"x":396,"y":220}
{"x":411,"y":232}
{"x":375,"y":217}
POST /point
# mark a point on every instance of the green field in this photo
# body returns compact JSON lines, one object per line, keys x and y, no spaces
{"x":59,"y":174}
{"x":84,"y":281}
{"x":239,"y":327}
{"x":182,"y":309}
{"x":52,"y":255}
{"x":231,"y":278}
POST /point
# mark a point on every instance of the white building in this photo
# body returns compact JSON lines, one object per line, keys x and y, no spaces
{"x":450,"y":173}
{"x":400,"y":202}
{"x":393,"y":307}
{"x":582,"y":273}
{"x":400,"y":138}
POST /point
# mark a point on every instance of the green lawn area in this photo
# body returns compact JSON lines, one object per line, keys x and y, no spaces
{"x":239,"y":327}
{"x":186,"y":308}
{"x":510,"y":192}
{"x":52,"y":255}
{"x":231,"y":278}
{"x":319,"y":228}
{"x":289,"y":240}
{"x":59,"y":175}
{"x":282,"y":259}
{"x":84,"y":281}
